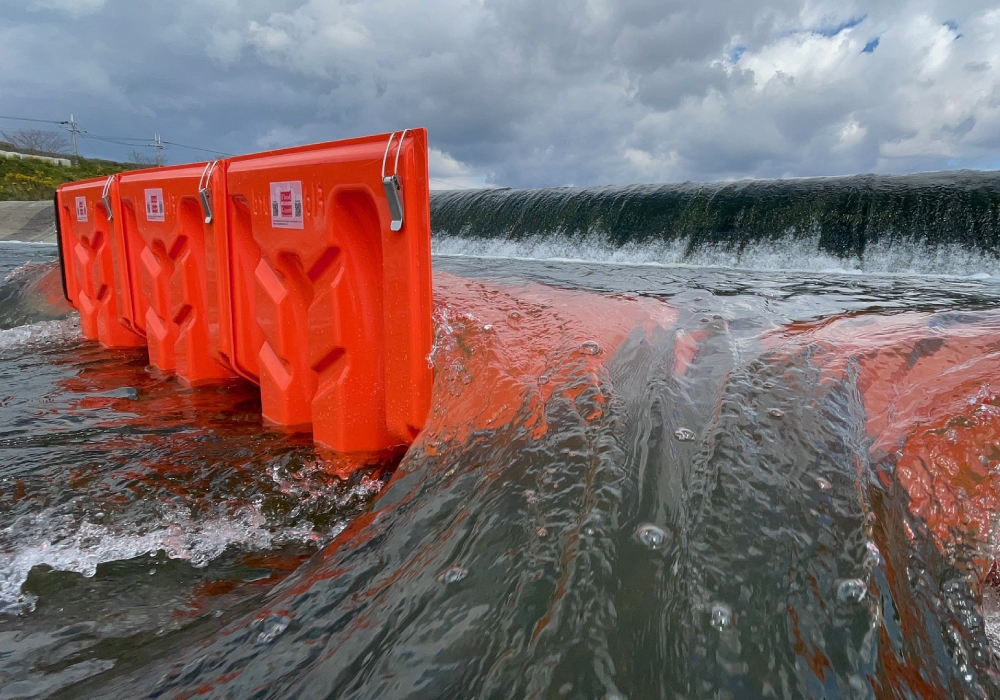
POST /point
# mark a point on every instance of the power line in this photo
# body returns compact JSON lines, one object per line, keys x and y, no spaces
{"x":145,"y":142}
{"x":196,"y":148}
{"x":25,"y":119}
{"x":156,"y":142}
{"x":115,"y":138}
{"x":454,"y":184}
{"x":134,"y":141}
{"x":116,"y":141}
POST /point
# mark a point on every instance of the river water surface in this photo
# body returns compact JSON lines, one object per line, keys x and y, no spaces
{"x":637,"y":481}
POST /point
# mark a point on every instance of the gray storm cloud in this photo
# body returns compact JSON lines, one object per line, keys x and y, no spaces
{"x":523,"y":93}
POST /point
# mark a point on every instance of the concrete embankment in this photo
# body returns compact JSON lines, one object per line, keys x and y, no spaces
{"x":27,"y":221}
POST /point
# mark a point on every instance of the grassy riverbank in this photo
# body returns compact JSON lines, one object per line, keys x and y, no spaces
{"x":30,"y":179}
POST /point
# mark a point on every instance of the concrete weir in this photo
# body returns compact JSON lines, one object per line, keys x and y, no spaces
{"x":27,"y":221}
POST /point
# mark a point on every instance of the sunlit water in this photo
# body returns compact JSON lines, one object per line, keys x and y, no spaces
{"x":637,"y":481}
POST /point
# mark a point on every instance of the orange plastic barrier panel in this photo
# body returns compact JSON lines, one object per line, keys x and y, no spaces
{"x":127,"y":248}
{"x":172,"y":212}
{"x":330,"y":287}
{"x":88,"y":218}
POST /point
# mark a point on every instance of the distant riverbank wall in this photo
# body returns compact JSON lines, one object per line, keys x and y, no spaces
{"x":34,"y":156}
{"x":28,"y":221}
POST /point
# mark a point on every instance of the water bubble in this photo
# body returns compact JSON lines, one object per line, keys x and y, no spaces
{"x":530,"y":496}
{"x":543,"y":379}
{"x":453,"y":575}
{"x":590,"y":348}
{"x":152,"y":571}
{"x":873,"y":557}
{"x":488,"y":327}
{"x":684,"y":434}
{"x":271,"y":627}
{"x":823,"y":484}
{"x":514,"y":314}
{"x":651,"y":536}
{"x":542,"y":532}
{"x":589,"y":531}
{"x":776,"y":413}
{"x":851,"y":590}
{"x":722,"y":616}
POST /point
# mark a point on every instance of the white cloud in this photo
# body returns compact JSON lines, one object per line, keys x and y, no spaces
{"x":448,"y":173}
{"x":76,"y":8}
{"x":523,"y":93}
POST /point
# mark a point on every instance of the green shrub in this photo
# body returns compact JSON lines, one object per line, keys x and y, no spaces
{"x":32,"y":179}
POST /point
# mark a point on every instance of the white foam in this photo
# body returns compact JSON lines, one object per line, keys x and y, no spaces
{"x":63,"y":544}
{"x":21,"y":270}
{"x":34,"y":244}
{"x":41,"y":333}
{"x":788,"y":253}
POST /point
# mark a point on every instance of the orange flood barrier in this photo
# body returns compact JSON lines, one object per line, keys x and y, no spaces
{"x":334,"y":248}
{"x":170,"y":213}
{"x":87,"y":217}
{"x":305,"y":270}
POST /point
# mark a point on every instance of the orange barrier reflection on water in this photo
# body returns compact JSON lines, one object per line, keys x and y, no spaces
{"x":926,"y":387}
{"x":530,"y":341}
{"x":504,"y":354}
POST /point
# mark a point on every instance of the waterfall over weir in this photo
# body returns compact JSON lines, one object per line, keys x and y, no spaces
{"x":944,"y":223}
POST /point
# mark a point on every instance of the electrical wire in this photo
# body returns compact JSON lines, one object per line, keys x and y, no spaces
{"x":25,"y":119}
{"x":195,"y":148}
{"x":116,"y":138}
{"x":454,"y":184}
{"x":115,"y":141}
{"x":137,"y":142}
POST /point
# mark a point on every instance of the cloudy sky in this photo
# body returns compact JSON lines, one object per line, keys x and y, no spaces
{"x":526,"y":92}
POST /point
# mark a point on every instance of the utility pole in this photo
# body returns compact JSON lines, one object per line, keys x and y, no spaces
{"x":74,"y":130}
{"x":158,"y":144}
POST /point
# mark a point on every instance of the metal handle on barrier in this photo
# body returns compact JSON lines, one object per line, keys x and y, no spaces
{"x":106,"y":197}
{"x":393,"y":187}
{"x":204,"y":193}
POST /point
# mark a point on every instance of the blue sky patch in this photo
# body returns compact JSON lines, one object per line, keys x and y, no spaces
{"x":837,"y":29}
{"x":871,"y":46}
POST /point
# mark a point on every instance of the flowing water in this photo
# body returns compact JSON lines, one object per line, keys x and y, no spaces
{"x":659,"y":463}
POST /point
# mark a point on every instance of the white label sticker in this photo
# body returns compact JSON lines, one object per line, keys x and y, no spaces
{"x":286,"y":204}
{"x":154,"y":205}
{"x":81,"y":208}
